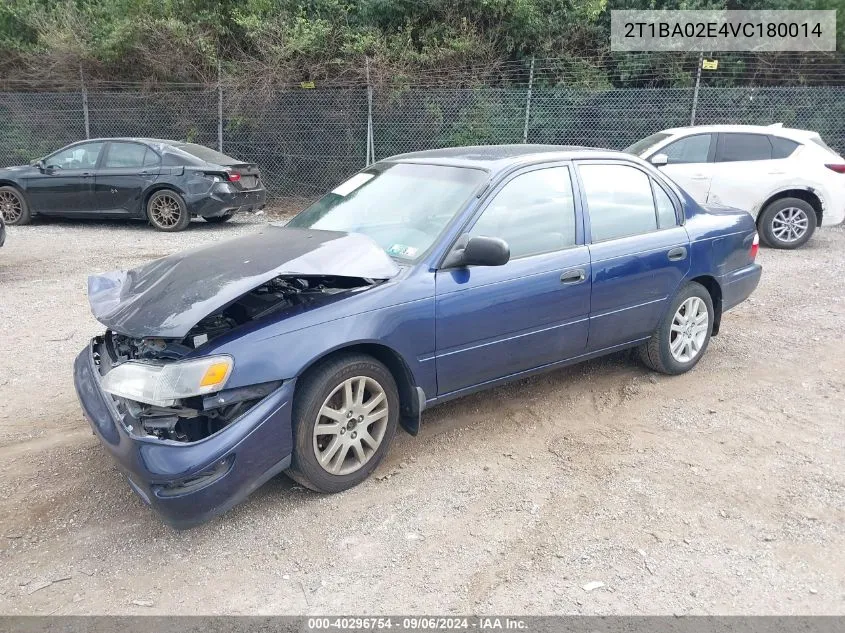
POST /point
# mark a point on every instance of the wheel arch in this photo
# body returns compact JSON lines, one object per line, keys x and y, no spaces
{"x":411,"y":397}
{"x":158,"y":186}
{"x":715,"y":290}
{"x":807,"y":194}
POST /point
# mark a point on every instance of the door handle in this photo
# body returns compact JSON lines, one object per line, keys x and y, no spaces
{"x":86,"y":174}
{"x":698,"y":177}
{"x":573,"y":276}
{"x":677,"y":254}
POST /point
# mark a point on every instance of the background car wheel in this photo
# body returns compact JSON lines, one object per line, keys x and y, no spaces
{"x":787,"y":223}
{"x":13,"y":207}
{"x":682,"y":337}
{"x":167,"y":211}
{"x":218,"y":219}
{"x":345,"y":414}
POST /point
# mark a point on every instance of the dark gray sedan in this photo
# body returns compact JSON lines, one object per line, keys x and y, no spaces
{"x":164,"y":182}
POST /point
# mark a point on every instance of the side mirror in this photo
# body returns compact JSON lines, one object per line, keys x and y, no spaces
{"x":658,"y":160}
{"x":478,"y":250}
{"x":39,"y":163}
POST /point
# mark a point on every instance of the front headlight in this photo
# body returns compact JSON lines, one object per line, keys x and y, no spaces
{"x":162,"y":385}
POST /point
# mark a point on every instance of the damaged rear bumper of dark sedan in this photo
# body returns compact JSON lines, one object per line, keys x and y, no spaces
{"x":225,"y":199}
{"x":188,"y":483}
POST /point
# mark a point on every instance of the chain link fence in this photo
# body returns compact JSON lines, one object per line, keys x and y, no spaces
{"x":307,"y":140}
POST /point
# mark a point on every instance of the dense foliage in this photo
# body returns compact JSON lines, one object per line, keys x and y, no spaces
{"x":295,"y":40}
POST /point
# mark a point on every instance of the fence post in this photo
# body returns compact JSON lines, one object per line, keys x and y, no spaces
{"x":371,"y":151}
{"x":528,"y":101}
{"x":695,"y":92}
{"x":84,"y":103}
{"x":219,"y":109}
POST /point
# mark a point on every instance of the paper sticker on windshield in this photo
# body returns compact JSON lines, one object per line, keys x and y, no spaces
{"x":344,"y":189}
{"x":400,"y":250}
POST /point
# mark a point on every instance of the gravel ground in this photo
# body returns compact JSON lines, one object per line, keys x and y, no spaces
{"x":720,"y":491}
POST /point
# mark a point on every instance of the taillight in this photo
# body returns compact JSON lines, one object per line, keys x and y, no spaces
{"x":838,"y":168}
{"x":755,"y":246}
{"x":234,"y":176}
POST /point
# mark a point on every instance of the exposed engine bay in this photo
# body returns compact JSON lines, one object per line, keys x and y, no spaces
{"x":195,"y":418}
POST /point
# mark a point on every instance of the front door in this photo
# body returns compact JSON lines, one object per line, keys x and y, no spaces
{"x":66,"y":184}
{"x":691,"y":164}
{"x":638,"y":250}
{"x":125,"y":172}
{"x":496,"y":321}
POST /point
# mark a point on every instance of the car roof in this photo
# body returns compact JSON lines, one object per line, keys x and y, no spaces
{"x":496,"y":157}
{"x":137,"y":139}
{"x":774,"y":129}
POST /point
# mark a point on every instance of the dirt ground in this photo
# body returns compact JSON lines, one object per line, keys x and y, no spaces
{"x":720,"y":491}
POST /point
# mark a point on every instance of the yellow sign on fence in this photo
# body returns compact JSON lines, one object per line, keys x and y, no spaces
{"x":710,"y":64}
{"x":306,"y":84}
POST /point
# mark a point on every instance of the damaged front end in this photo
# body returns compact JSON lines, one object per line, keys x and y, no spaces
{"x":194,"y":428}
{"x":165,"y":390}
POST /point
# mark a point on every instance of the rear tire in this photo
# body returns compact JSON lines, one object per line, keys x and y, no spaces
{"x":14,"y":207}
{"x":337,"y":451}
{"x":787,"y":223}
{"x":218,"y":219}
{"x":682,"y":337}
{"x":166,"y":211}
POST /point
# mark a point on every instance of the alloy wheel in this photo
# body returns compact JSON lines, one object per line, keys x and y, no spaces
{"x":11,"y":206}
{"x":350,"y":425}
{"x":790,"y":224}
{"x":689,"y":330}
{"x":165,"y":211}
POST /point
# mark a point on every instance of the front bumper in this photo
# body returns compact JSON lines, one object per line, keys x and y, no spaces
{"x":738,"y":285}
{"x":225,"y":198}
{"x":189,"y":483}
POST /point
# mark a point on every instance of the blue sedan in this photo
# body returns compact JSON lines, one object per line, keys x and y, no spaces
{"x":427,"y":276}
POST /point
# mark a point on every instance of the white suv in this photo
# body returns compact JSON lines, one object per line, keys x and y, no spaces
{"x":790,"y":180}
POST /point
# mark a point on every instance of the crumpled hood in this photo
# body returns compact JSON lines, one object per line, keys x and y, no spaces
{"x":167,"y":297}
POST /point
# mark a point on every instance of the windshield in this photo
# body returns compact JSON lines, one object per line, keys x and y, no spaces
{"x":642,"y":145}
{"x":403,"y":207}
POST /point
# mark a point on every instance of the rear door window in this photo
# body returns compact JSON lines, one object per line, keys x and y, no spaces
{"x":125,"y":156}
{"x":619,"y":200}
{"x":734,"y":147}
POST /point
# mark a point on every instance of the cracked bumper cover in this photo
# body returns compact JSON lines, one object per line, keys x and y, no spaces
{"x":189,"y":483}
{"x":223,"y":199}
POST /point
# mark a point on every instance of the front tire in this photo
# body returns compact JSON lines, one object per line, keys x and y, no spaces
{"x":14,"y":207}
{"x":166,"y":211}
{"x":345,"y":413}
{"x":787,"y":223}
{"x":682,"y":337}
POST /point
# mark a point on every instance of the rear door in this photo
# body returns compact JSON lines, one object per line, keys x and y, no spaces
{"x":691,"y":163}
{"x":639,"y":250}
{"x":124,"y":173}
{"x":495,"y":321}
{"x":748,"y":168}
{"x":66,"y":185}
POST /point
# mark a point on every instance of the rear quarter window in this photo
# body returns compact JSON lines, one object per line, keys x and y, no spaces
{"x":782,"y":147}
